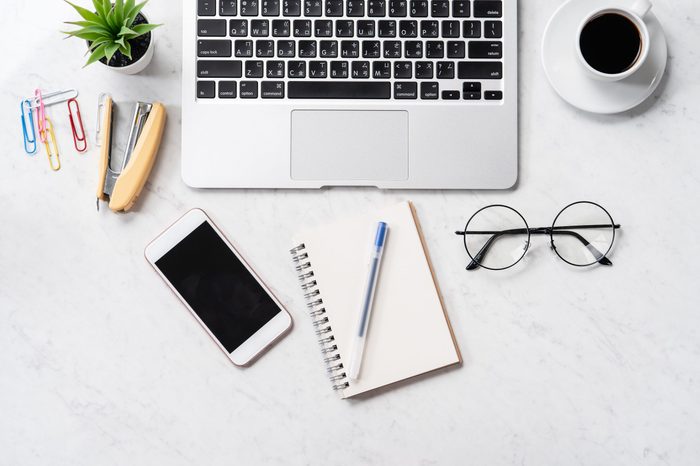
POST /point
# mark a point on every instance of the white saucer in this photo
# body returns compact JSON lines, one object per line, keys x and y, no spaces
{"x":574,"y":85}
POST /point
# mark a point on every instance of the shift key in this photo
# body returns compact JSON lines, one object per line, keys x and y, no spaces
{"x":480,"y":70}
{"x":219,"y":69}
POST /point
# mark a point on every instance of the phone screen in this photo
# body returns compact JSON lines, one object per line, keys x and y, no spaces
{"x":218,"y":287}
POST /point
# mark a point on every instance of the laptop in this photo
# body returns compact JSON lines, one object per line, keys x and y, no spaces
{"x":394,"y":94}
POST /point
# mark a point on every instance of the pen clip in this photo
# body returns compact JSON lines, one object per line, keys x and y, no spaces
{"x":100,"y":109}
{"x":79,"y":138}
{"x":27,"y":117}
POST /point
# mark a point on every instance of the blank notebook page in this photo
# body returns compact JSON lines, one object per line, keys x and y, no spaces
{"x":409,"y":333}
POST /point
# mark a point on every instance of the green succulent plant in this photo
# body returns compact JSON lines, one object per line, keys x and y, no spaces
{"x":109,"y":28}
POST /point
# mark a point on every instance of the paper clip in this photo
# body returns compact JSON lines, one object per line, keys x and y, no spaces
{"x":51,"y":147}
{"x":27,"y":127}
{"x":79,"y":138}
{"x":40,"y":114}
{"x":54,"y":98}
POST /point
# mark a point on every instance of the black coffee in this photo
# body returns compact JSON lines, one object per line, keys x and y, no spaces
{"x":610,"y":43}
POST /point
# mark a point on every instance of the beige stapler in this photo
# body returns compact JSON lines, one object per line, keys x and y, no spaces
{"x":122,"y":188}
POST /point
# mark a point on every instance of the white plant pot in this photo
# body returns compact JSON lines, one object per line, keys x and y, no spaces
{"x":141,"y":64}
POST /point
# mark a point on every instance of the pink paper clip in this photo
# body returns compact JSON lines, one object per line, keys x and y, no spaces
{"x":40,"y":115}
{"x":79,"y":139}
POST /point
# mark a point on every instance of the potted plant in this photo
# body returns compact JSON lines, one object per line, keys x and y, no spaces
{"x":118,"y":34}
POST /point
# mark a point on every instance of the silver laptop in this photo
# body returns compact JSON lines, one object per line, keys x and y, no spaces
{"x":314,"y":93}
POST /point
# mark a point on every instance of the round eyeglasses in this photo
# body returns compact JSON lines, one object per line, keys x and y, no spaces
{"x":497,"y":237}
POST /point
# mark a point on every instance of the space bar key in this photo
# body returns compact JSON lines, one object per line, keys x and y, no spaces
{"x":339,"y":90}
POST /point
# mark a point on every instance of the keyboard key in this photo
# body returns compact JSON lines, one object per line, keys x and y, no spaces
{"x":371,"y":49}
{"x":414,"y":49}
{"x":291,"y":7}
{"x":419,"y":9}
{"x":360,"y":69}
{"x":329,"y":48}
{"x":270,"y":7}
{"x":429,"y":90}
{"x":228,"y":8}
{"x":408,"y":28}
{"x":264,"y":48}
{"x":424,"y":70}
{"x":405,"y":90}
{"x":281,"y":27}
{"x":259,"y":27}
{"x":206,"y":7}
{"x":272,"y":89}
{"x":323,"y":28}
{"x":445,"y":70}
{"x":451,"y":29}
{"x":471,"y":86}
{"x":355,"y":8}
{"x":488,"y":9}
{"x":460,"y":9}
{"x":398,"y":8}
{"x":471,"y":29}
{"x":493,"y":29}
{"x":313,"y":7}
{"x":365,"y":28}
{"x":249,"y":89}
{"x":274,"y":69}
{"x":302,"y":28}
{"x":339,"y":69}
{"x":254,"y":69}
{"x":318,"y":69}
{"x":471,"y":95}
{"x":455,"y":49}
{"x":211,"y":27}
{"x":440,"y":8}
{"x":296,"y":69}
{"x":243,"y":48}
{"x":485,"y":49}
{"x":339,"y":90}
{"x":219,"y":69}
{"x":434,"y":49}
{"x":238,"y":27}
{"x":493,"y":95}
{"x":429,"y":29}
{"x":285,"y":49}
{"x":344,"y":27}
{"x":392,"y":49}
{"x":334,"y":7}
{"x":381,"y":70}
{"x":214,"y":48}
{"x":403,"y":70}
{"x":206,"y":89}
{"x":450,"y":95}
{"x":307,"y":49}
{"x":227,"y":89}
{"x":248,"y":8}
{"x":480,"y":70}
{"x":376,"y":8}
{"x":349,"y":49}
{"x":387,"y":28}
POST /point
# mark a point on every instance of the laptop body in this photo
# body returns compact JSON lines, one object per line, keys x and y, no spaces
{"x":389,"y":94}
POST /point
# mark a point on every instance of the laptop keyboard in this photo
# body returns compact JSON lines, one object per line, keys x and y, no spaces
{"x":350,"y":49}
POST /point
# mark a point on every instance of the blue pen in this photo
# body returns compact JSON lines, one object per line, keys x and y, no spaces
{"x":367,"y":300}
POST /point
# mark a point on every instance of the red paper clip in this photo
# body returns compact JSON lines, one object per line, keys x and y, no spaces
{"x":79,"y":139}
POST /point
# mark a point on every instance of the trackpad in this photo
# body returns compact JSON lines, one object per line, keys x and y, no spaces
{"x":340,"y":145}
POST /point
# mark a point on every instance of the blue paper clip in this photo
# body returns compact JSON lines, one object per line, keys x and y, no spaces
{"x":27,"y":127}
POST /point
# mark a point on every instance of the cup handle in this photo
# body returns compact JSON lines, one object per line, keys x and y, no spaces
{"x":640,"y":7}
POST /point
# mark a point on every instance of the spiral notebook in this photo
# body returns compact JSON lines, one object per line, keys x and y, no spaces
{"x":409,"y":332}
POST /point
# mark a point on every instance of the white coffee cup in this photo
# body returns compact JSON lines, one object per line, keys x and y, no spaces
{"x":634,"y":11}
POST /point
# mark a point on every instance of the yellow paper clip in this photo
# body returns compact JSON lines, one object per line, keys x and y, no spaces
{"x":51,"y":146}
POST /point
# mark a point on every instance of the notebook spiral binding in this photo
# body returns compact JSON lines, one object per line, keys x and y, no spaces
{"x":322,"y":327}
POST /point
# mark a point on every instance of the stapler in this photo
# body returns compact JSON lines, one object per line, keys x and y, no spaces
{"x":121,"y":188}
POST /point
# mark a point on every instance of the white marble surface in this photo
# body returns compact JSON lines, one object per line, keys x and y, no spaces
{"x":101,"y":365}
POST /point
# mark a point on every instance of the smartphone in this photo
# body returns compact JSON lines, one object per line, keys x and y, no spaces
{"x":219,"y":287}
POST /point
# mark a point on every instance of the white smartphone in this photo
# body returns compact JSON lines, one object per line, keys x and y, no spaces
{"x":220,"y":289}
